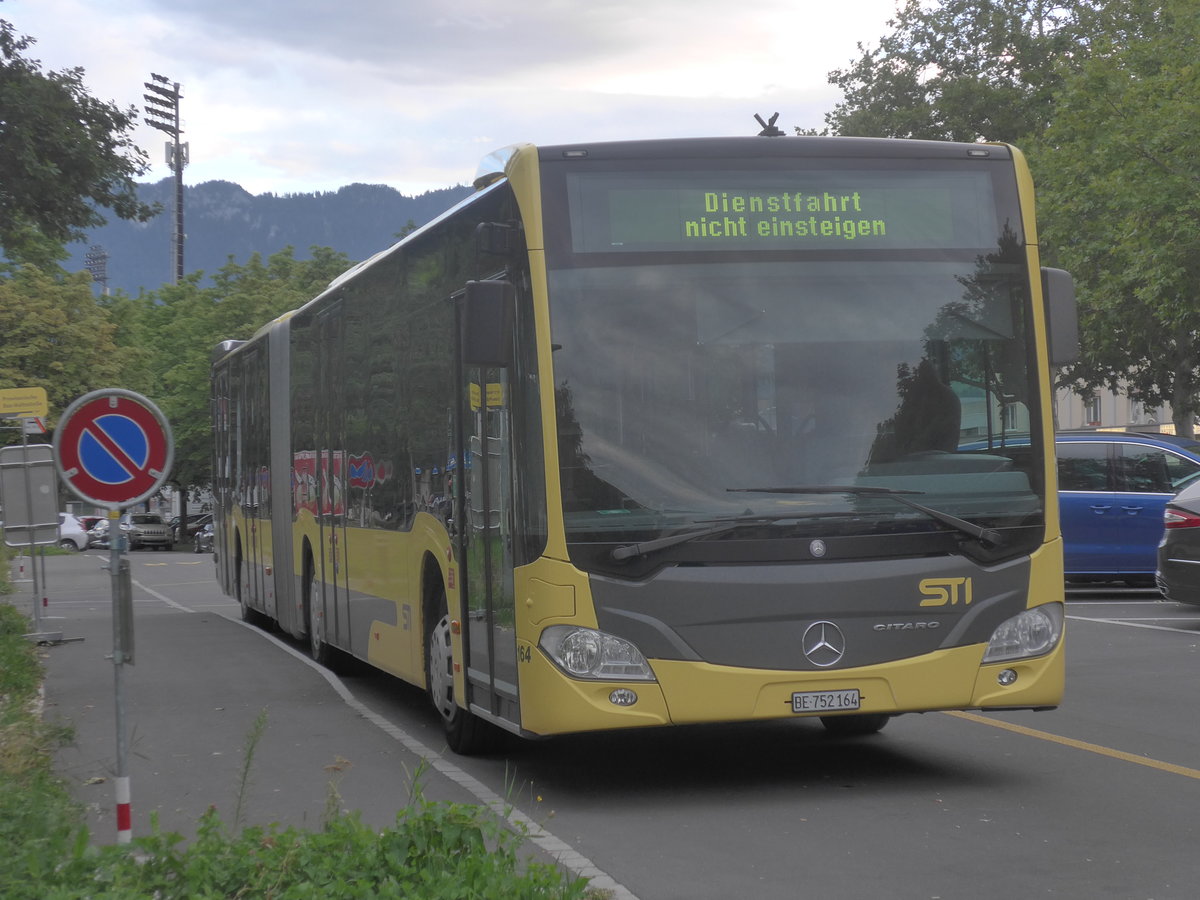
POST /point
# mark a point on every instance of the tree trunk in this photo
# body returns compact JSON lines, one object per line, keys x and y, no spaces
{"x":1183,"y":388}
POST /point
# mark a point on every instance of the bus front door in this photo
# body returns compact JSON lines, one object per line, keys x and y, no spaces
{"x":486,"y":543}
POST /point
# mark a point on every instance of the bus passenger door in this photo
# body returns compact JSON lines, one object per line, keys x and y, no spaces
{"x":486,"y":544}
{"x":252,"y":463}
{"x":224,"y":405}
{"x":331,"y":470}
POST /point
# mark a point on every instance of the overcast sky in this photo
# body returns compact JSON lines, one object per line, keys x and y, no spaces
{"x":293,"y":96}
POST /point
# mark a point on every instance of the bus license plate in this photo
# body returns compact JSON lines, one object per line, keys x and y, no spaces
{"x":824,"y":701}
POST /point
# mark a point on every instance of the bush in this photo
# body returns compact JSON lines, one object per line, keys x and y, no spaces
{"x":434,"y":851}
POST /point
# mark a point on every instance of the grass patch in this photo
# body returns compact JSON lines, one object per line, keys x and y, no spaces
{"x":433,"y":851}
{"x":37,"y":818}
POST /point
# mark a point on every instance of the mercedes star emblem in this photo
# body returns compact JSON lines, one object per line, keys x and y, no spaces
{"x":823,"y":644}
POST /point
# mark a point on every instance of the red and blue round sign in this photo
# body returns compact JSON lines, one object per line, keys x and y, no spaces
{"x":113,"y":448}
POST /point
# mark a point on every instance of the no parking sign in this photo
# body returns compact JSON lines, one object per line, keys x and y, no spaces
{"x":113,"y":448}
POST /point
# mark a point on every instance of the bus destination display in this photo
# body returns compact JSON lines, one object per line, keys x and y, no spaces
{"x":821,"y":210}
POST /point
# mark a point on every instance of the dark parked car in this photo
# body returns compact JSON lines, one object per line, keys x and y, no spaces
{"x":89,"y":522}
{"x":1179,"y":550}
{"x":183,"y":529}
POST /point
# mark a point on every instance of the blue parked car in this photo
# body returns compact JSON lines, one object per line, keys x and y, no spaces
{"x":1112,"y":490}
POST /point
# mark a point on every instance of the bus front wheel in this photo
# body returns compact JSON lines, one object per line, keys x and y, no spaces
{"x":466,"y":733}
{"x":851,"y":726}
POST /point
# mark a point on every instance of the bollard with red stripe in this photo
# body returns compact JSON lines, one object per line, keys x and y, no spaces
{"x":124,"y":812}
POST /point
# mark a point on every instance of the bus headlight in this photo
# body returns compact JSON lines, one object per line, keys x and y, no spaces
{"x":587,"y":653}
{"x":1033,"y":632}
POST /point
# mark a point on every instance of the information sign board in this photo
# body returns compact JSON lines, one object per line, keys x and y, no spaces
{"x":16,"y":403}
{"x":28,"y":486}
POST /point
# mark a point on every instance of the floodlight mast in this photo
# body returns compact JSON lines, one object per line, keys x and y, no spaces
{"x":96,"y":262}
{"x":163,"y":114}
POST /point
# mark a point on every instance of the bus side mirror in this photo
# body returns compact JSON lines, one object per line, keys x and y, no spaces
{"x":487,"y":316}
{"x":1062,"y":315}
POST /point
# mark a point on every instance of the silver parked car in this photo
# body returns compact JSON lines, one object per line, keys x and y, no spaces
{"x":203,"y":542}
{"x":149,"y":530}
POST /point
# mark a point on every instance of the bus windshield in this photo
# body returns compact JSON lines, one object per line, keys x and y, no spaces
{"x":698,"y":387}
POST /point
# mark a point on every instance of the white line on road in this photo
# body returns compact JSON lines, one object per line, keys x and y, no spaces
{"x":1131,"y":624}
{"x":1109,"y":604}
{"x":207,"y":581}
{"x":165,"y":599}
{"x":1142,"y":618}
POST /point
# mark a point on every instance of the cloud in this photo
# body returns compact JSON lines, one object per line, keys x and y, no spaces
{"x":309,"y":95}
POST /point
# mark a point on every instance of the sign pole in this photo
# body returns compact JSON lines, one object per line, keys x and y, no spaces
{"x":33,"y":563}
{"x":122,"y":592}
{"x":114,"y":448}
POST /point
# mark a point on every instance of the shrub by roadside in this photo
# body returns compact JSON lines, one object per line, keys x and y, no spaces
{"x":433,"y":851}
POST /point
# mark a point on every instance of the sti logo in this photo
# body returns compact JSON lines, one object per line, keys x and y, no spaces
{"x":945,"y":591}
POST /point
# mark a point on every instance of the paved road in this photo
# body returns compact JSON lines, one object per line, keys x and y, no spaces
{"x":199,"y":680}
{"x":1097,"y":799}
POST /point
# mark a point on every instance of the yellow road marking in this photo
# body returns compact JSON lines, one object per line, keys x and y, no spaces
{"x":1080,"y":745}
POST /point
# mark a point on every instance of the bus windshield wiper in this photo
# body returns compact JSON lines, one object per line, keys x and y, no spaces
{"x":987,"y":535}
{"x":627,"y":551}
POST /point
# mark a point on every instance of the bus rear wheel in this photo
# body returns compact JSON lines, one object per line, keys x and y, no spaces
{"x":250,"y":615}
{"x":851,"y":726}
{"x":466,"y":733}
{"x":318,"y":649}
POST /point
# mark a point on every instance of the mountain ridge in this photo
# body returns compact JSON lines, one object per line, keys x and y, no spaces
{"x":222,"y":220}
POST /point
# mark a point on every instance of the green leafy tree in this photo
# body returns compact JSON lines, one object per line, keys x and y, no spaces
{"x":55,"y":336}
{"x":961,"y":70}
{"x":171,"y":335}
{"x":63,"y":153}
{"x":1103,"y":97}
{"x":1119,"y":185}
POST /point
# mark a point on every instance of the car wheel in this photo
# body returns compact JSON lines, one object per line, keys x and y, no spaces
{"x":68,"y":545}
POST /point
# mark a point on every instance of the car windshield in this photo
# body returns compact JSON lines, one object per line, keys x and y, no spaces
{"x":145,"y":519}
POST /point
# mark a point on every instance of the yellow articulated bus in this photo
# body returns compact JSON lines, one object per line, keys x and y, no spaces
{"x":660,"y":432}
